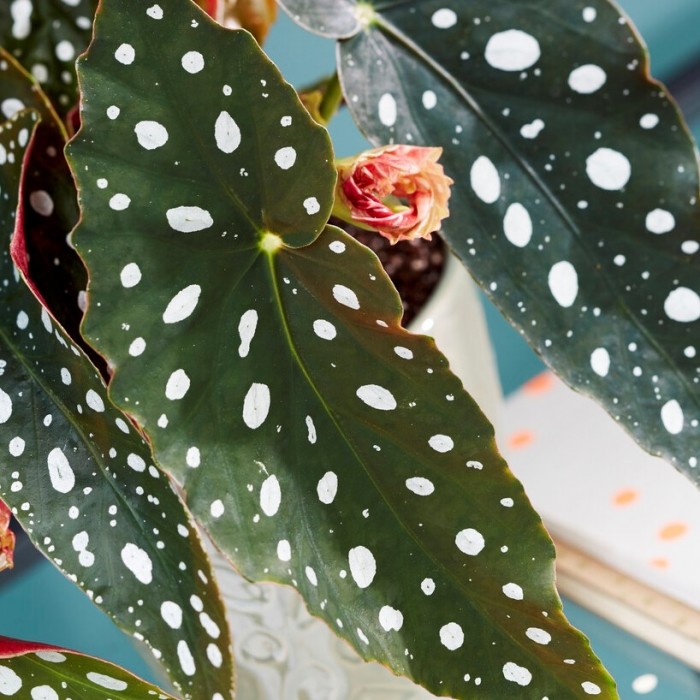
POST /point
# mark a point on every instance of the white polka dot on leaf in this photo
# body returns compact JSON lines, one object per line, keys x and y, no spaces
{"x":512,"y":50}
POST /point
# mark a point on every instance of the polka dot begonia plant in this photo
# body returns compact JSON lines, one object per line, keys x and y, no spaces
{"x":251,"y":355}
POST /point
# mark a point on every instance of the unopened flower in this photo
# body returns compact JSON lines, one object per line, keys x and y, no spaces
{"x":399,"y":191}
{"x":257,"y":16}
{"x":7,"y":539}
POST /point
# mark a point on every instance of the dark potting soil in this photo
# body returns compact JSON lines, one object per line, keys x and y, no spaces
{"x":415,"y":267}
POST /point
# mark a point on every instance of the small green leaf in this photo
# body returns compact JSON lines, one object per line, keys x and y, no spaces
{"x":79,"y":478}
{"x":575,"y":203}
{"x":321,"y":444}
{"x":46,"y":36}
{"x":28,"y":669}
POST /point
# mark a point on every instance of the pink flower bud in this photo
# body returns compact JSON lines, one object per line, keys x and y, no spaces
{"x":399,"y":191}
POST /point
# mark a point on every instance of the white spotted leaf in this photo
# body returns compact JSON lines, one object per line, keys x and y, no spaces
{"x":49,"y":203}
{"x":81,"y":481}
{"x":267,"y":376}
{"x":549,"y":108}
{"x":44,"y":672}
{"x":47,"y":36}
{"x":236,"y":129}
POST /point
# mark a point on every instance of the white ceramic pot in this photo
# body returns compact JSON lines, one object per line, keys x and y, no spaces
{"x":455,"y":318}
{"x":282,"y":653}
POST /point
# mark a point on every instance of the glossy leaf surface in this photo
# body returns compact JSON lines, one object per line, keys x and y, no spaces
{"x":39,"y":671}
{"x":321,"y":444}
{"x":576,"y":198}
{"x":81,"y":482}
{"x":46,"y":36}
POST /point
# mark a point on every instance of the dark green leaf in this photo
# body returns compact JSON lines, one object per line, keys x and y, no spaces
{"x":46,"y":36}
{"x":79,"y":478}
{"x":575,"y":204}
{"x":45,"y":672}
{"x":321,"y":444}
{"x":50,"y":203}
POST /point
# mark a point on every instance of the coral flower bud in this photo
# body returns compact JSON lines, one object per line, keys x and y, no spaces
{"x":7,"y":539}
{"x":399,"y":191}
{"x":257,"y":16}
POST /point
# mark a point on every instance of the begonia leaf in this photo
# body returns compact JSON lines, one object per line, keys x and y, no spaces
{"x":50,"y":203}
{"x":46,"y":36}
{"x":321,"y":444}
{"x":575,"y":204}
{"x":44,"y":672}
{"x":81,"y":482}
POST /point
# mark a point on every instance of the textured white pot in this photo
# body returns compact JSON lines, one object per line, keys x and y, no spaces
{"x":282,"y":653}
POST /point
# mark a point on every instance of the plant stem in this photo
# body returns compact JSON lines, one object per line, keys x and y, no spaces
{"x":332,"y":98}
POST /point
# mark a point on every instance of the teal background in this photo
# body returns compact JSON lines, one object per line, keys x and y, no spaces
{"x":38,"y":603}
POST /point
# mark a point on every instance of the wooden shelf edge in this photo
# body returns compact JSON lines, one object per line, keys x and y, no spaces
{"x":658,"y":619}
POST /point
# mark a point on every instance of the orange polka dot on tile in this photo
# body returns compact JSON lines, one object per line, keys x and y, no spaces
{"x":673,"y":531}
{"x":659,"y":563}
{"x":540,"y":384}
{"x":625,"y":497}
{"x":520,"y":439}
